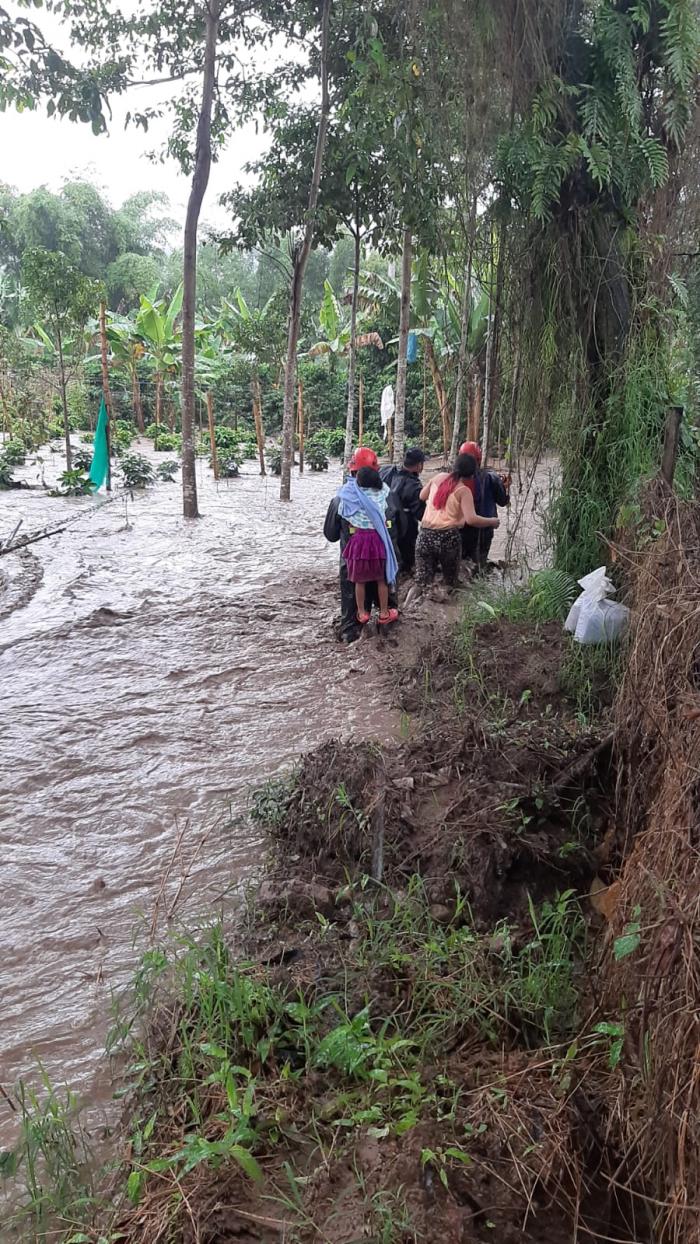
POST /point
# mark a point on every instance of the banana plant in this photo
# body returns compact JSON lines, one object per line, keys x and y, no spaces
{"x":157,"y":327}
{"x":337,"y":329}
{"x":128,"y":350}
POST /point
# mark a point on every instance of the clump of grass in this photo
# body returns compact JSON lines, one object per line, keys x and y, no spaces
{"x":50,"y":1170}
{"x":589,"y":677}
{"x":269,"y":803}
{"x":449,"y":981}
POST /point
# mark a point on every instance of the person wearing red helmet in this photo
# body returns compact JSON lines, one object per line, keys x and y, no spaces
{"x":489,"y":491}
{"x":338,"y":529}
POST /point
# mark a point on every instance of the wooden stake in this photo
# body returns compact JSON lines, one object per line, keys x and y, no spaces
{"x":212,"y":435}
{"x":106,"y":390}
{"x":257,"y":416}
{"x":674,"y":415}
{"x":300,"y":424}
{"x":361,"y":425}
{"x":390,"y":438}
{"x":425,"y":401}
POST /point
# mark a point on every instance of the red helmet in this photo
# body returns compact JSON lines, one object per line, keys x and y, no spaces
{"x":471,"y":447}
{"x":363,"y":458}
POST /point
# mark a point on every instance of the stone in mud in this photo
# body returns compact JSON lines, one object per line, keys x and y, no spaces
{"x":301,"y":898}
{"x":440,"y":913}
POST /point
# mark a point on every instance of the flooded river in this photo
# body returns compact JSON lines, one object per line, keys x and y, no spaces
{"x":155,"y":671}
{"x":151,"y":672}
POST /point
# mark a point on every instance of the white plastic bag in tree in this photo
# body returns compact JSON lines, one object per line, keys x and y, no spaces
{"x":593,"y":619}
{"x":387,"y":407}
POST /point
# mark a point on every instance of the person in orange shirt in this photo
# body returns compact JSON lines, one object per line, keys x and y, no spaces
{"x":449,"y":507}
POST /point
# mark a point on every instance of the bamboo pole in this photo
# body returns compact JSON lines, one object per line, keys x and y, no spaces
{"x":300,"y":422}
{"x":425,"y":401}
{"x":106,"y":391}
{"x":257,"y":417}
{"x":390,"y":438}
{"x":212,"y":435}
{"x":361,"y":425}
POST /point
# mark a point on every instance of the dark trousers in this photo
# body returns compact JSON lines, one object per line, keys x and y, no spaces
{"x":476,"y":544}
{"x":349,"y":626}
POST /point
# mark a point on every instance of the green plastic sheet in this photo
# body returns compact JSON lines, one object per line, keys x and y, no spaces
{"x":100,"y":456}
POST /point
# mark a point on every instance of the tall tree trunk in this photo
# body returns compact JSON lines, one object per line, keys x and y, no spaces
{"x":492,"y":347}
{"x":64,"y":398}
{"x":440,"y":391}
{"x":258,"y":421}
{"x":462,"y":358}
{"x":301,"y":257}
{"x":136,"y":400}
{"x":212,"y":434}
{"x":401,"y":367}
{"x":159,"y":407}
{"x":475,"y":404}
{"x":200,"y":180}
{"x":350,"y":416}
{"x":107,"y":392}
{"x":300,"y":425}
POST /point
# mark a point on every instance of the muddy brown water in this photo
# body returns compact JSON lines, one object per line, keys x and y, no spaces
{"x":151,"y":672}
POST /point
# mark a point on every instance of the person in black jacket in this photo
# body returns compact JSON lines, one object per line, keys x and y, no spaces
{"x":405,"y":484}
{"x":337,"y":529}
{"x":490,"y":490}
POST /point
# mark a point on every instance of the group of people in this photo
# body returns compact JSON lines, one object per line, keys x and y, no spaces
{"x":387,"y":520}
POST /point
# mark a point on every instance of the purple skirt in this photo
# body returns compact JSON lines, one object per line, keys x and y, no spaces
{"x":365,"y":557}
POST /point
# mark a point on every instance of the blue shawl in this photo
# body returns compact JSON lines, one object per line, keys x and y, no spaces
{"x":352,"y":499}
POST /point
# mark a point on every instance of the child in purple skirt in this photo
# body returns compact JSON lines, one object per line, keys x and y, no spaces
{"x":369,"y":552}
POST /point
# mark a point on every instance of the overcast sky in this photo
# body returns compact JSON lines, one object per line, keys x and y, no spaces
{"x":36,"y":150}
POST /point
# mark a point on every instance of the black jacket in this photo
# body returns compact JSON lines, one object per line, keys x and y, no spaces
{"x":405,"y":486}
{"x":336,"y":528}
{"x":490,"y":493}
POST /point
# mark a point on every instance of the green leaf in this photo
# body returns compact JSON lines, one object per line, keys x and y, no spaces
{"x":350,"y":174}
{"x":627,"y":943}
{"x":134,"y":1186}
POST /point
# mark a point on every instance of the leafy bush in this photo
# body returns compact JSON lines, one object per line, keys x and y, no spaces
{"x":247,"y":450}
{"x":6,"y":477}
{"x":228,"y":467}
{"x":14,"y":452}
{"x":316,"y":457}
{"x":82,"y":459}
{"x":332,"y":440}
{"x":274,"y":460}
{"x":226,"y":438}
{"x":122,"y":434}
{"x":168,"y":442}
{"x":137,"y":471}
{"x":167,"y":471}
{"x":78,"y":408}
{"x":73,"y":483}
{"x":89,"y":438}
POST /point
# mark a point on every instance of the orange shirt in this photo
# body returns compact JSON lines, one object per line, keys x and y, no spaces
{"x":451,"y":516}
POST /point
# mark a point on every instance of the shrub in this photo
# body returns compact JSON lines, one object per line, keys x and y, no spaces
{"x":168,"y":442}
{"x":137,"y":471}
{"x":274,"y":460}
{"x":316,"y":457}
{"x":73,"y":483}
{"x":14,"y":452}
{"x":82,"y":459}
{"x":332,"y":440}
{"x":247,"y":449}
{"x":6,"y":477}
{"x":228,"y":467}
{"x":122,"y":434}
{"x":166,"y":471}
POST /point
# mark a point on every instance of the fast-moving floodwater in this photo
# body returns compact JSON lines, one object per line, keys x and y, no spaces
{"x":155,"y":671}
{"x":151,"y":672}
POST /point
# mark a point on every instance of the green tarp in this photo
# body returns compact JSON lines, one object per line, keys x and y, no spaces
{"x":100,"y":456}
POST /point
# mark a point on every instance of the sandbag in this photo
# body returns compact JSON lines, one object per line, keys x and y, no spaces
{"x":593,"y":619}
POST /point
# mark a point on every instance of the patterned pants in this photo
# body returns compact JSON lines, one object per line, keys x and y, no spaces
{"x":435,"y":549}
